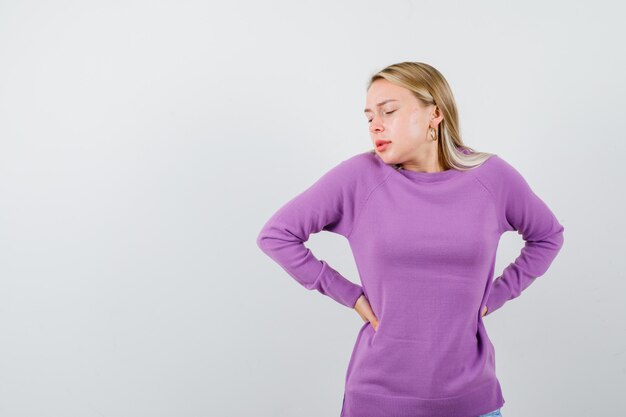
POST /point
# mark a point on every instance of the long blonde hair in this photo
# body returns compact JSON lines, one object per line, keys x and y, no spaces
{"x":429,"y":86}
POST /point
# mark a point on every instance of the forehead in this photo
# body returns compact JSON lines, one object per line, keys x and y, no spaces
{"x":382,"y":91}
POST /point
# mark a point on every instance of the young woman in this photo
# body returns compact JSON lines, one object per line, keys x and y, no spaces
{"x":423,"y":215}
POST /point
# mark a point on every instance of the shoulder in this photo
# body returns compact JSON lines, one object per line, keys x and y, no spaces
{"x":352,"y":178}
{"x":500,"y":165}
{"x":364,"y":160}
{"x":501,"y":177}
{"x":364,"y":168}
{"x":496,"y":169}
{"x":494,"y":166}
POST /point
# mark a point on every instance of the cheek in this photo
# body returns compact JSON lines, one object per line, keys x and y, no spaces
{"x":402,"y":125}
{"x":417,"y":127}
{"x":414,"y":121}
{"x":408,"y":128}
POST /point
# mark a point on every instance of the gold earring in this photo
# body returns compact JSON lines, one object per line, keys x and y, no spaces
{"x":432,"y":134}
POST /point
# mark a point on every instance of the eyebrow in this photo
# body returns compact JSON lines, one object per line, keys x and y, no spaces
{"x":380,"y":104}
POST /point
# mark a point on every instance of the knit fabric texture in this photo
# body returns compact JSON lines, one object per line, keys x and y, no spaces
{"x":425,"y":245}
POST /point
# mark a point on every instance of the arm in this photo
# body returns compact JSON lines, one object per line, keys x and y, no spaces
{"x":522,"y":210}
{"x":329,"y":204}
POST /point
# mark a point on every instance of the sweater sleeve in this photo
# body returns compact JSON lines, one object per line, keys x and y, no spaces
{"x":330,"y":204}
{"x":522,"y":210}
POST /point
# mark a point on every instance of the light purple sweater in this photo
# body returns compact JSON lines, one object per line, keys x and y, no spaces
{"x":425,"y":249}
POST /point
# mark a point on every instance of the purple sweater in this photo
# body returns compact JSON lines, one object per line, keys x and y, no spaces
{"x":425,"y":249}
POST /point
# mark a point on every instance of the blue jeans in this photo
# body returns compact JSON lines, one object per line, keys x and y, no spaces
{"x":494,"y":413}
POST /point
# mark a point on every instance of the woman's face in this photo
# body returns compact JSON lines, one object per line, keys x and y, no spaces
{"x":396,"y":116}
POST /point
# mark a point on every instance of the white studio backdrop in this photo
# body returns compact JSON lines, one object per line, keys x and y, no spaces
{"x":143,"y":144}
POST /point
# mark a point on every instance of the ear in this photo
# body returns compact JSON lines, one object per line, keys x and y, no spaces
{"x":436,"y":116}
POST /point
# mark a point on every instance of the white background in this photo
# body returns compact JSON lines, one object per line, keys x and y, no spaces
{"x":143,"y":144}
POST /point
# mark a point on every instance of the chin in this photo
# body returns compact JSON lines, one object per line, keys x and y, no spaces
{"x":387,"y":157}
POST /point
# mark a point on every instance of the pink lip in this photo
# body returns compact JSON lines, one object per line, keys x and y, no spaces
{"x":382,"y":146}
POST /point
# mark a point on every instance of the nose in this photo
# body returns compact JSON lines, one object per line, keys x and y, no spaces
{"x":375,"y":126}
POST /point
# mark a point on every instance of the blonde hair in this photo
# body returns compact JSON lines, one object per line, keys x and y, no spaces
{"x":429,"y":86}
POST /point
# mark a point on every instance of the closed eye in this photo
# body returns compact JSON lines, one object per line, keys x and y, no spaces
{"x":385,"y":113}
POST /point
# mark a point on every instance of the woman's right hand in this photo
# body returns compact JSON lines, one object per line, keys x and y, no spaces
{"x":364,"y":309}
